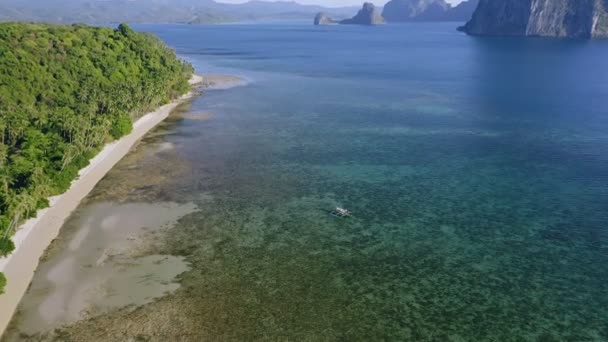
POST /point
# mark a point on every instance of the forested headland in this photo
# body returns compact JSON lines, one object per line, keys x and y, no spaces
{"x":65,"y":91}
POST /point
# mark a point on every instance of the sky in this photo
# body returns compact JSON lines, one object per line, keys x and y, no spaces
{"x":334,"y":3}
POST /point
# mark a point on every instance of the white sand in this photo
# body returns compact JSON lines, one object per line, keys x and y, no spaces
{"x":36,"y":234}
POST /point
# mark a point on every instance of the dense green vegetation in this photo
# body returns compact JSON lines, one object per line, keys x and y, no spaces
{"x":64,"y":92}
{"x":2,"y":283}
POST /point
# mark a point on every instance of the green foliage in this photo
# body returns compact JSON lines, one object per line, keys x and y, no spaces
{"x":2,"y":283}
{"x":122,"y":125}
{"x":125,"y":30}
{"x":64,"y":92}
{"x":6,"y":246}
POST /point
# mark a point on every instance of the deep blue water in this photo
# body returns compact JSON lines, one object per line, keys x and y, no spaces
{"x":476,"y":168}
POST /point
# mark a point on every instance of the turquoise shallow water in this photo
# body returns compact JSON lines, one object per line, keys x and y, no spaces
{"x":477,"y":171}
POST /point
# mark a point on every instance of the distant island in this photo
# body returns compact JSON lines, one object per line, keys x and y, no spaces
{"x":555,"y":18}
{"x":427,"y":10}
{"x":97,"y":12}
{"x":323,"y":18}
{"x":397,"y":11}
{"x":367,"y":15}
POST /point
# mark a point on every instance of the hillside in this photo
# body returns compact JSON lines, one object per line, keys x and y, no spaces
{"x":65,"y":91}
{"x":157,"y":11}
{"x":428,"y":10}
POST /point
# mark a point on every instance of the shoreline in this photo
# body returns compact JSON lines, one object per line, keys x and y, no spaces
{"x":34,"y":236}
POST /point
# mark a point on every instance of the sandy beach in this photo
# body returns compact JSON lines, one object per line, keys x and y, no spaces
{"x":33,"y":237}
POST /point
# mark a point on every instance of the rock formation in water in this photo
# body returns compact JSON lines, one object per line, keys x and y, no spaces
{"x":368,"y":15}
{"x":547,"y":18}
{"x":427,"y":10}
{"x":323,"y":19}
{"x":408,"y":10}
{"x":415,"y":10}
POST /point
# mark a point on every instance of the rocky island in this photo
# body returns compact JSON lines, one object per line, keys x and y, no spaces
{"x":427,"y":10}
{"x":396,"y":11}
{"x":323,"y":19}
{"x":367,"y":15}
{"x":543,"y":18}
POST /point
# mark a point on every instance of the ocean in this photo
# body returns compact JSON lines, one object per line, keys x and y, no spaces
{"x":476,"y":170}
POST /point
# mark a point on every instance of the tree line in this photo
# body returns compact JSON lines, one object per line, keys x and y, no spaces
{"x":65,"y":91}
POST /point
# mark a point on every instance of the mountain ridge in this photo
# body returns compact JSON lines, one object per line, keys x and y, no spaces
{"x":428,"y":10}
{"x":158,"y":11}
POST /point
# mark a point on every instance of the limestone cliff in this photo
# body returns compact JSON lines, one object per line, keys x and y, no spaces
{"x":427,"y":10}
{"x":547,"y":18}
{"x":368,"y":15}
{"x":463,"y":11}
{"x":415,"y":10}
{"x":323,"y":19}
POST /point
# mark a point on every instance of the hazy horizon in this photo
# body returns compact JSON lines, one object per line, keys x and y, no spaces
{"x":329,"y":3}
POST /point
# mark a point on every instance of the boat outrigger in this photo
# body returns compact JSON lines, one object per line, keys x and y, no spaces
{"x":340,"y":212}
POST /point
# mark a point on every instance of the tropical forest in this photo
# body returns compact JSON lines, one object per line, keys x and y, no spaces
{"x":65,"y":91}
